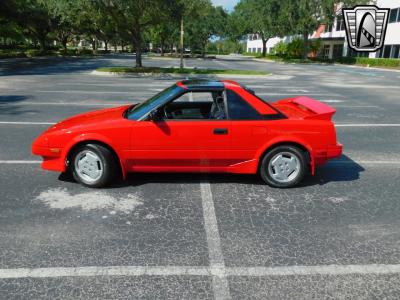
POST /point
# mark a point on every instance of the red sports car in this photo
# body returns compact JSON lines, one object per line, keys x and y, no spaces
{"x":194,"y":126}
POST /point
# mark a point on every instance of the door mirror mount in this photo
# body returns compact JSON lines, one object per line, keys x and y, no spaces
{"x":154,"y":115}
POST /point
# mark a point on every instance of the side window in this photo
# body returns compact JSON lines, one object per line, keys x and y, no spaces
{"x":239,"y":109}
{"x":195,"y":97}
{"x":196,"y":106}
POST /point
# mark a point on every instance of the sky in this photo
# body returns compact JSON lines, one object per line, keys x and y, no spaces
{"x":227,"y":4}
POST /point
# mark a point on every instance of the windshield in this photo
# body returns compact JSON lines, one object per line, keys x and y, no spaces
{"x":138,"y":111}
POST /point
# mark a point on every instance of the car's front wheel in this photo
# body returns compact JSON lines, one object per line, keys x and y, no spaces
{"x":93,"y":165}
{"x":283,"y":166}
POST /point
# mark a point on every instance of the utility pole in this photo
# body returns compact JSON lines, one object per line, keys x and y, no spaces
{"x":181,"y":64}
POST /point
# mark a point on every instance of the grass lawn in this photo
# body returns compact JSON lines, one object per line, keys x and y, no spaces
{"x":156,"y":70}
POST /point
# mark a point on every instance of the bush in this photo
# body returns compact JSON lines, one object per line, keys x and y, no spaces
{"x":378,"y":62}
{"x":34,"y":52}
{"x":11,"y":53}
{"x":295,"y":48}
{"x":69,"y":52}
{"x":280,"y":49}
{"x":84,"y":52}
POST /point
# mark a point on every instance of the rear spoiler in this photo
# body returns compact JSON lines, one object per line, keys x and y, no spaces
{"x":320,"y":110}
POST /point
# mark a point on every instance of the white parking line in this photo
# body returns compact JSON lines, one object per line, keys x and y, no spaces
{"x":315,"y":270}
{"x":296,"y":94}
{"x":27,"y":123}
{"x":95,"y":92}
{"x":366,"y":162}
{"x":357,"y":106}
{"x":367,"y":125}
{"x":331,"y":101}
{"x":94,"y":271}
{"x":75,"y":103}
{"x":20,"y":162}
{"x":220,"y":283}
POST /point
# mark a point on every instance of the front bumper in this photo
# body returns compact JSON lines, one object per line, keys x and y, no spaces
{"x":53,"y":159}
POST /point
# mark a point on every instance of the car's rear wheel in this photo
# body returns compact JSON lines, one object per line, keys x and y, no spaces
{"x":283,"y":166}
{"x":93,"y":165}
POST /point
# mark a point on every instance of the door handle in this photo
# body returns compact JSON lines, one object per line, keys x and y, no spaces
{"x":220,"y":131}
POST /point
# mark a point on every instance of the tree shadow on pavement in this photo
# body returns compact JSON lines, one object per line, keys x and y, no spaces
{"x":56,"y":65}
{"x":10,"y":105}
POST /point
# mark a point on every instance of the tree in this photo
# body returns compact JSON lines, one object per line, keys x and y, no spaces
{"x":64,"y":15}
{"x":304,"y":16}
{"x":133,"y":17}
{"x":185,"y":11}
{"x":261,"y":17}
{"x":210,"y":21}
{"x":32,"y":15}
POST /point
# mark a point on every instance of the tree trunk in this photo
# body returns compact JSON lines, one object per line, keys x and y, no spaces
{"x":203,"y":51}
{"x":306,"y":44}
{"x":264,"y":48}
{"x":106,"y":46}
{"x":162,"y":47}
{"x":64,"y":44}
{"x":182,"y":32}
{"x":137,"y":42}
{"x":42,"y":42}
{"x":115,"y":47}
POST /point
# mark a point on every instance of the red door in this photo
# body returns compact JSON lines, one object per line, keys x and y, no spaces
{"x":180,"y":145}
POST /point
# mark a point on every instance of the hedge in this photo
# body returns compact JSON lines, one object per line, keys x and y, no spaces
{"x":372,"y":62}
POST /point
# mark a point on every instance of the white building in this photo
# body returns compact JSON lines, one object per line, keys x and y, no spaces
{"x":254,"y":43}
{"x":333,"y":37}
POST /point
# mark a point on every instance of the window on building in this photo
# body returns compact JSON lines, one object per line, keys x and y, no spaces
{"x":327,"y":49}
{"x":386,"y":51}
{"x":249,"y":50}
{"x":339,"y":23}
{"x":394,"y":15}
{"x":396,"y":51}
{"x":258,"y":50}
{"x":328,"y":28}
{"x":337,"y":50}
{"x":353,"y":53}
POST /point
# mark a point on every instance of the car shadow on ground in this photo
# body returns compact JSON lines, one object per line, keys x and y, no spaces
{"x":340,"y":170}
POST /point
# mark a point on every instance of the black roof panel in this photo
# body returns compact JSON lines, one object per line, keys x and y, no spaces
{"x":200,"y":84}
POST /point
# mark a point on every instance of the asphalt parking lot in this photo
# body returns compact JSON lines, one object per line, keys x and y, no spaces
{"x":182,"y":236}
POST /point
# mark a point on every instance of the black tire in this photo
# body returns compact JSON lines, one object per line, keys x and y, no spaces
{"x":293,"y":150}
{"x":107,"y":160}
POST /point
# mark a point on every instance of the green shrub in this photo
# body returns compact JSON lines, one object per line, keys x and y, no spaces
{"x":280,"y":49}
{"x":70,"y":52}
{"x":378,"y":62}
{"x":372,"y":62}
{"x":11,"y":53}
{"x":85,"y":52}
{"x":295,"y":48}
{"x":34,"y":52}
{"x":346,"y":60}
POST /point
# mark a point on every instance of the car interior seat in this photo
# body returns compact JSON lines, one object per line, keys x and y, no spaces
{"x":217,"y":111}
